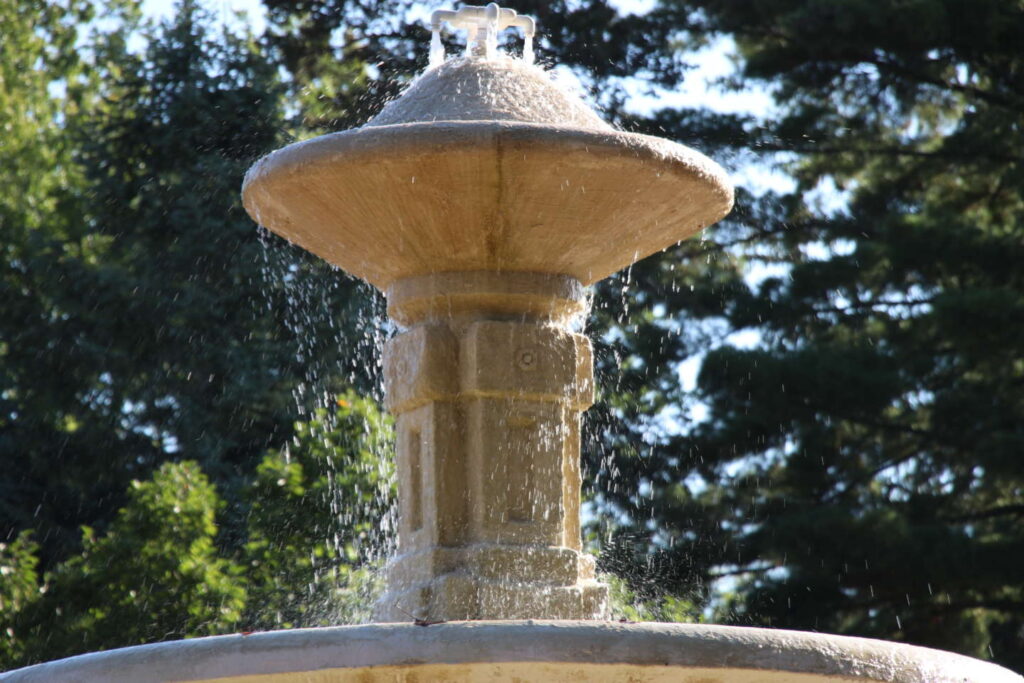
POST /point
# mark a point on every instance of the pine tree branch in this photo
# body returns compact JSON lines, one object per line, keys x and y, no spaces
{"x":1003,"y":605}
{"x":921,"y":77}
{"x":888,"y":151}
{"x":762,"y":32}
{"x":867,"y":477}
{"x":998,"y":511}
{"x":869,"y":305}
{"x":702,"y":249}
{"x":741,"y":571}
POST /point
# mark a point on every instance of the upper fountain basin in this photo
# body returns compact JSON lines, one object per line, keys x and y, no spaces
{"x":485,"y":165}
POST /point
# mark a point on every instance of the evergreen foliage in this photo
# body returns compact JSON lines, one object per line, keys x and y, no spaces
{"x":849,"y":461}
{"x":144,"y":320}
{"x":156,"y":574}
{"x":154,"y":347}
{"x":164,"y":571}
{"x":315,"y":512}
{"x":861,"y":467}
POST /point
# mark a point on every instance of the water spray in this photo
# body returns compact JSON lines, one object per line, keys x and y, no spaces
{"x":482,"y":25}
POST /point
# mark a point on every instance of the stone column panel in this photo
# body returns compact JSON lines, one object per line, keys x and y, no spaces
{"x":525,"y":360}
{"x":515,"y":451}
{"x":420,"y":367}
{"x":431,"y":481}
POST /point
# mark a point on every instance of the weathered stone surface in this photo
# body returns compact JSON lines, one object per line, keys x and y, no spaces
{"x":528,"y":183}
{"x":431,"y":476}
{"x":418,"y":367}
{"x":515,"y":451}
{"x":522,"y":651}
{"x":536,"y":362}
{"x":487,"y":387}
{"x":508,"y":295}
{"x":502,"y":89}
{"x":542,"y":566}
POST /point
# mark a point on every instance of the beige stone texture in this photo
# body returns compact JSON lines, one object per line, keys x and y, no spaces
{"x":485,"y":166}
{"x":507,"y":295}
{"x":487,"y":386}
{"x":522,"y":651}
{"x":501,"y":89}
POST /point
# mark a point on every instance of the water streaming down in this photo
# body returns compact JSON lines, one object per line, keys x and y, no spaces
{"x":436,"y":48}
{"x":340,"y":328}
{"x":483,"y":202}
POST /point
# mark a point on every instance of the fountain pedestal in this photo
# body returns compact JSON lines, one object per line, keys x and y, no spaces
{"x":487,"y":385}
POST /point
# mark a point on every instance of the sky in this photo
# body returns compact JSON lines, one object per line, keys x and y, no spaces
{"x":226,"y":9}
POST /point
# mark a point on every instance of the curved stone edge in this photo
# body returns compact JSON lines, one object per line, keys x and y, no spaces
{"x":685,"y":647}
{"x":372,"y":142}
{"x":703,"y":183}
{"x":543,"y":295}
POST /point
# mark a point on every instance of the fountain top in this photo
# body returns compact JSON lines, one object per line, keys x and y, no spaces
{"x":483,"y":25}
{"x":485,"y":164}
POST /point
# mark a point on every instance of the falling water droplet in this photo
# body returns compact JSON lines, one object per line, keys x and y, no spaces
{"x":491,"y":42}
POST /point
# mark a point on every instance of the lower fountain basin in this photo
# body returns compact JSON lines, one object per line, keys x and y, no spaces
{"x":522,"y":651}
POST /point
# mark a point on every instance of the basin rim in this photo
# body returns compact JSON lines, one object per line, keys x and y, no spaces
{"x":679,"y":647}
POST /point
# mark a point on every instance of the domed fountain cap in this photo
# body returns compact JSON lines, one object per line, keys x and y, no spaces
{"x":502,"y":89}
{"x":485,"y":164}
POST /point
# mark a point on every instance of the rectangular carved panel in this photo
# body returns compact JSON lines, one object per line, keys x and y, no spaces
{"x":516,"y":475}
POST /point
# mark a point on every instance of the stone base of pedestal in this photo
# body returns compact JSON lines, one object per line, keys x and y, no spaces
{"x":569,"y":651}
{"x":456,"y":597}
{"x":482,"y":581}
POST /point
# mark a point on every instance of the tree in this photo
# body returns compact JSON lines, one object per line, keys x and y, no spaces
{"x":147,"y":319}
{"x":19,"y":588}
{"x":163,"y":569}
{"x":313,"y":553}
{"x":155,"y":575}
{"x":862,"y":466}
{"x":44,"y":85}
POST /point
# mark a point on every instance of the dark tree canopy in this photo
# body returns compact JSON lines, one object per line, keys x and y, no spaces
{"x":855,"y":466}
{"x":866,"y":457}
{"x":144,"y":320}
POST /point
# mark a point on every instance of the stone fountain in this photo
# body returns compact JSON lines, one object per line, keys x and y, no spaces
{"x":483,"y":201}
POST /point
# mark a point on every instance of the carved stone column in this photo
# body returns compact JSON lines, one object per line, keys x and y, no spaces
{"x":487,"y":384}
